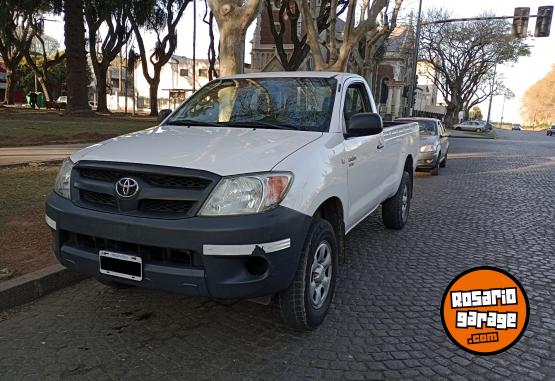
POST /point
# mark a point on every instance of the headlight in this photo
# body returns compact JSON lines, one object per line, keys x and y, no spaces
{"x":63,"y":180}
{"x":247,"y":194}
{"x":428,"y":148}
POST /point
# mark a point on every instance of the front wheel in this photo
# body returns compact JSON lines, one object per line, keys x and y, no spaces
{"x":395,"y":210}
{"x":479,"y":130}
{"x":444,"y":162}
{"x":305,"y":304}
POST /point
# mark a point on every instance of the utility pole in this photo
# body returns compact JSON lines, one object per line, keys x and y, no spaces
{"x":491,"y":96}
{"x":194,"y":45}
{"x":503,"y":110}
{"x":412,"y":85}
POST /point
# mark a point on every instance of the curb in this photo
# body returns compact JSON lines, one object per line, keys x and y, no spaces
{"x":30,"y":163}
{"x":29,"y":287}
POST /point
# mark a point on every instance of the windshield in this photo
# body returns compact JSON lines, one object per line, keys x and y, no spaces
{"x":292,"y":103}
{"x":427,"y":127}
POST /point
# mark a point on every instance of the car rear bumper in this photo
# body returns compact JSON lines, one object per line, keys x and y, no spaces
{"x":222,"y":257}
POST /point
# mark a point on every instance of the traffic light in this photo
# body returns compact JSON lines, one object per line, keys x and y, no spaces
{"x":520,"y":22}
{"x":543,"y":22}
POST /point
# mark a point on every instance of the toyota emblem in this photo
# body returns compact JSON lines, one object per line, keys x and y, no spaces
{"x":127,"y":187}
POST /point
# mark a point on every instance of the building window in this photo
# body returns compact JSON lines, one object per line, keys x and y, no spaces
{"x":384,"y":90}
{"x":183,"y":72}
{"x":203,"y":72}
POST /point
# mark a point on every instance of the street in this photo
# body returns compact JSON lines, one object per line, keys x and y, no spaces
{"x":492,"y":205}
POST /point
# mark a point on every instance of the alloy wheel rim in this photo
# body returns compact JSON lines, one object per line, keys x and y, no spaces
{"x":404,"y":203}
{"x":320,"y":275}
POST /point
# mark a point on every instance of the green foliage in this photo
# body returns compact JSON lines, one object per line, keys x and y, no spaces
{"x":476,"y":113}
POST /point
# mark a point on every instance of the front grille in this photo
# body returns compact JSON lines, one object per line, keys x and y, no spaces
{"x":97,"y":198}
{"x":177,"y":182}
{"x":149,"y":254}
{"x":163,"y":181}
{"x":166,"y":206}
{"x":101,"y":175}
{"x":164,"y":192}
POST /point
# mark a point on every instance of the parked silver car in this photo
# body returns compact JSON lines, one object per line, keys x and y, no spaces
{"x":551,"y":130}
{"x":434,"y":144}
{"x":471,"y":125}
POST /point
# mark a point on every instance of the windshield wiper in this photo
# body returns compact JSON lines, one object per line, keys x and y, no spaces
{"x":260,"y":124}
{"x":192,"y":122}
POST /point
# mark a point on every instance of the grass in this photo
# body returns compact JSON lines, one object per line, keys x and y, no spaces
{"x":24,"y":237}
{"x":34,"y":127}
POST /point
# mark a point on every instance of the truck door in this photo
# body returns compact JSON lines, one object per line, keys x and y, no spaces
{"x":362,"y":158}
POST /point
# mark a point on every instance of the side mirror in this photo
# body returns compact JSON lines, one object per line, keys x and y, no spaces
{"x":364,"y":124}
{"x":163,"y":114}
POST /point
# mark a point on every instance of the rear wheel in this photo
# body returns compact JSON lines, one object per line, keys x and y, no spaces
{"x":305,"y":304}
{"x":395,"y":210}
{"x":478,"y":130}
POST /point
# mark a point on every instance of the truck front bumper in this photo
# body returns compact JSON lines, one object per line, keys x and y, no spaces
{"x":232,"y":257}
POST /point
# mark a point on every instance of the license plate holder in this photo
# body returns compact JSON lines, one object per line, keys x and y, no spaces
{"x":121,"y":265}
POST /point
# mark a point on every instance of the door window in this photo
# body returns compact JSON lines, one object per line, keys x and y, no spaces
{"x":356,"y":101}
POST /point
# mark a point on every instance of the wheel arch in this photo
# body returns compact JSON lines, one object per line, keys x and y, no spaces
{"x":332,"y":211}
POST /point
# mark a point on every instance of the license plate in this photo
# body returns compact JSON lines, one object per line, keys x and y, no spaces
{"x":121,"y":265}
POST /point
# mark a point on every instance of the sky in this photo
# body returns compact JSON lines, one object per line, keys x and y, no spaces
{"x":518,"y":77}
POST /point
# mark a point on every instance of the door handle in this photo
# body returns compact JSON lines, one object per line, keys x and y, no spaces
{"x":380,"y":146}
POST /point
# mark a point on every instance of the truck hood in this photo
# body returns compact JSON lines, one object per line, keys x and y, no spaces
{"x":221,"y":150}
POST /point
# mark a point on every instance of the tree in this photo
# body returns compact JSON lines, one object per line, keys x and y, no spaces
{"x":367,"y":58}
{"x":113,"y":15}
{"x":42,"y":56}
{"x":538,"y":103}
{"x":288,"y":19}
{"x":233,"y":18}
{"x":77,"y":86}
{"x":461,"y":57}
{"x":208,"y":19}
{"x":476,"y":113}
{"x":157,"y":16}
{"x":16,"y":35}
{"x":358,"y":24}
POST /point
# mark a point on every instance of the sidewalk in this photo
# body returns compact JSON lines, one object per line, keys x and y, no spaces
{"x":22,"y":155}
{"x":471,"y":134}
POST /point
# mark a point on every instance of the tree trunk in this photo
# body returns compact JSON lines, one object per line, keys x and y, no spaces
{"x":102,"y":104}
{"x":154,"y":93}
{"x":451,"y":115}
{"x":44,"y":86}
{"x":77,"y":92}
{"x":232,"y":50}
{"x":10,"y":87}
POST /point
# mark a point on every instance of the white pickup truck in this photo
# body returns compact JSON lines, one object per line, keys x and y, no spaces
{"x":247,"y":190}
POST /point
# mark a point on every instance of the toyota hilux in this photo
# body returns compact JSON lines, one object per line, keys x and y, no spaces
{"x":247,"y":190}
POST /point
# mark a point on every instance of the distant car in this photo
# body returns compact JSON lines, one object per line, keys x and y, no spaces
{"x":516,"y":127}
{"x":551,"y":130}
{"x":471,"y":125}
{"x":62,"y":99}
{"x":434,"y":144}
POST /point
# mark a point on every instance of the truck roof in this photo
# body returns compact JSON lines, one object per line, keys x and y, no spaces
{"x":295,"y":74}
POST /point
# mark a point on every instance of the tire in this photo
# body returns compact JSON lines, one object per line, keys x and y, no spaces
{"x":395,"y":210}
{"x":300,"y":306}
{"x":444,"y":162}
{"x":478,"y":130}
{"x":458,"y":128}
{"x":114,"y":285}
{"x":435,"y":170}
